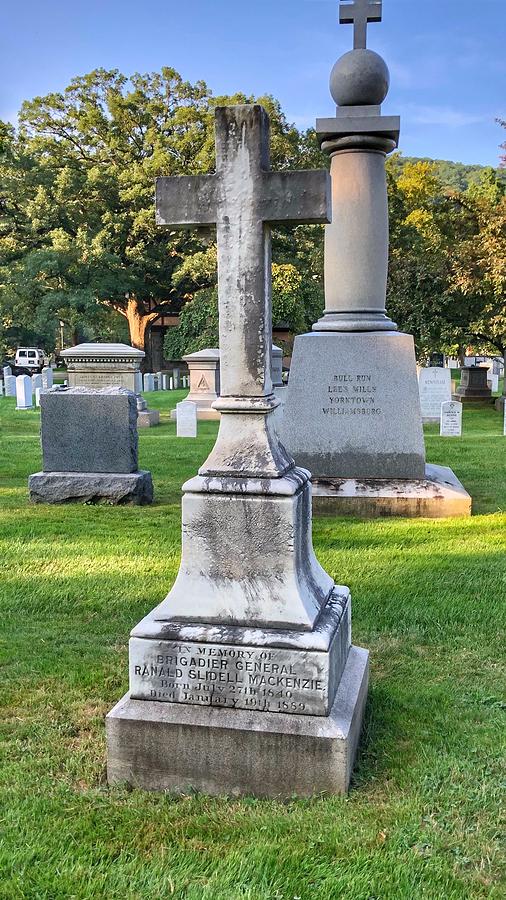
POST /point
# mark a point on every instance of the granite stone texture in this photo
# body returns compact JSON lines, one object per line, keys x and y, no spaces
{"x":135,"y":488}
{"x":87,"y":430}
{"x":353,"y":408}
{"x":179,"y":748}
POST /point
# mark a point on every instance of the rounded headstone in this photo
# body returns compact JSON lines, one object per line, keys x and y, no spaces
{"x":360,"y":78}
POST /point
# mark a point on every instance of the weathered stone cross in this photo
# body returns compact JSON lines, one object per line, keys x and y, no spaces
{"x":244,"y":199}
{"x":359,"y":13}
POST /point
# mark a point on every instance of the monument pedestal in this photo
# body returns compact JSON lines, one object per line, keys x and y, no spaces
{"x":439,"y":495}
{"x":473,"y":386}
{"x":178,"y":748}
{"x":353,"y":407}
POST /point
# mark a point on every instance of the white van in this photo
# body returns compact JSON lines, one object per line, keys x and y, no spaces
{"x":29,"y":358}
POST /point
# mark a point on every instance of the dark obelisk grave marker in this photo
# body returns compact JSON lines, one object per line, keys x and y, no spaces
{"x":352,"y":413}
{"x":244,"y":680}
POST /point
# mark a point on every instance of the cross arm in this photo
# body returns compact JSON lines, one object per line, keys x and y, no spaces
{"x":298,"y":197}
{"x":186,"y":201}
{"x":371,"y":10}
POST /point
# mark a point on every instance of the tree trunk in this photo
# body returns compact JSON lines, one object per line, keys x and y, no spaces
{"x":138,"y":322}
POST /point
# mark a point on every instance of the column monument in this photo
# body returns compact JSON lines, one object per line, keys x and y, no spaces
{"x":243,"y":680}
{"x":352,"y":414}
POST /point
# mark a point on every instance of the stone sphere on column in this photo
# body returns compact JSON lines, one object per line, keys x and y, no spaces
{"x":360,"y":78}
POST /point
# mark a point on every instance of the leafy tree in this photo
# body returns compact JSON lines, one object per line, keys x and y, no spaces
{"x":78,"y":231}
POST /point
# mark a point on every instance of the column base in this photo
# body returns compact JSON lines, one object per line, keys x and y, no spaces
{"x":440,"y":495}
{"x":177,"y":748}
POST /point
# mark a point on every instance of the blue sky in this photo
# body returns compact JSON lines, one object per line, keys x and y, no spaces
{"x":447,"y":58}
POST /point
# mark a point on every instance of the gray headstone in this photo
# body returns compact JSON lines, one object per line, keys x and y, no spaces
{"x":10,"y":385}
{"x":435,"y":386}
{"x":277,"y":366}
{"x":451,"y":419}
{"x":36,"y":382}
{"x":47,"y":377}
{"x":186,"y":418}
{"x":7,"y":371}
{"x":493,"y":381}
{"x":86,"y":430}
{"x":149,"y":382}
{"x":24,"y":392}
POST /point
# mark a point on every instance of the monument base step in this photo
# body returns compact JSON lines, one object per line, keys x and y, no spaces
{"x":135,"y":488}
{"x":440,"y":495}
{"x":148,"y":418}
{"x":178,"y":748}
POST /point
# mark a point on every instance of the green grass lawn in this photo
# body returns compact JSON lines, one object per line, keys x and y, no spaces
{"x":423,"y":818}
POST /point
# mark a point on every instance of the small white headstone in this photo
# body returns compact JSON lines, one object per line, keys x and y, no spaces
{"x":186,"y":417}
{"x":47,"y":377}
{"x":159,"y":378}
{"x":451,"y":419}
{"x":23,"y":392}
{"x":138,"y":383}
{"x":10,"y":385}
{"x":171,"y":384}
{"x":493,"y":381}
{"x":36,"y":382}
{"x":7,"y":371}
{"x":149,"y":382}
{"x":165,"y":382}
{"x":435,"y":387}
{"x":37,"y":396}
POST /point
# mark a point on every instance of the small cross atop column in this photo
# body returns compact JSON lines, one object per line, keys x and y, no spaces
{"x":359,"y":14}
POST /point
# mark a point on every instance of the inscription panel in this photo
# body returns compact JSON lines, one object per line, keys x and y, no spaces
{"x":255,"y":678}
{"x":352,"y":394}
{"x":99,"y":379}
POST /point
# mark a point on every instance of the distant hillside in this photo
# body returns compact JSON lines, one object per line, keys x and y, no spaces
{"x":452,"y":174}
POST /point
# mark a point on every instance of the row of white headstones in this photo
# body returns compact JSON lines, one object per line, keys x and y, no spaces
{"x":24,"y":387}
{"x":161,"y":382}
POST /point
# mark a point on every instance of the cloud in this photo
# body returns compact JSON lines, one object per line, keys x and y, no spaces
{"x":444,"y":115}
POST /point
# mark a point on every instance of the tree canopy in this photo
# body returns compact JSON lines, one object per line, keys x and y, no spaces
{"x":79,"y":243}
{"x":77,"y":231}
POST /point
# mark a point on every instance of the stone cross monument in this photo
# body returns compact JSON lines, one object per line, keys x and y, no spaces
{"x":352,"y":413}
{"x":244,"y":680}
